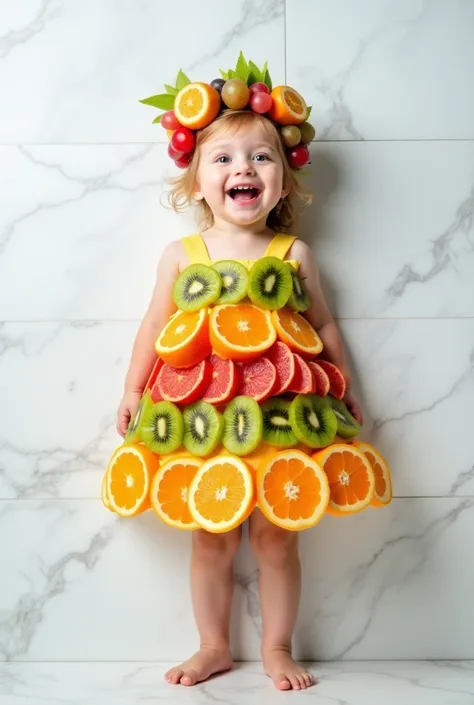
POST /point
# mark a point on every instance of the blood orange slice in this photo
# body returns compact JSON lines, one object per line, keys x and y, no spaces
{"x":153,"y":375}
{"x":257,"y":379}
{"x":336,"y":380}
{"x":302,"y":382}
{"x":321,"y":380}
{"x":224,"y":383}
{"x":184,"y":386}
{"x":282,"y":358}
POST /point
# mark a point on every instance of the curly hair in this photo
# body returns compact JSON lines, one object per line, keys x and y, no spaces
{"x":284,"y":217}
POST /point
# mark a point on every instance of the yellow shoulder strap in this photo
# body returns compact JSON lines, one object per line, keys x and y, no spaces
{"x":196,"y":249}
{"x":280,"y":246}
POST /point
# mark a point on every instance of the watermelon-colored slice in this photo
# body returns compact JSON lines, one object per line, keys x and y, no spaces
{"x":283,"y":359}
{"x":153,"y":375}
{"x":321,"y":380}
{"x":302,"y":382}
{"x":184,"y":386}
{"x":257,"y":379}
{"x":224,"y":383}
{"x":337,"y":383}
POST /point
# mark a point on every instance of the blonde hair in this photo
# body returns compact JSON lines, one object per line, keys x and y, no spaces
{"x":284,"y":217}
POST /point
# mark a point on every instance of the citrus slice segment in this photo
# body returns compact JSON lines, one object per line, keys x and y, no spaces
{"x":129,"y":474}
{"x":289,"y":107}
{"x":240,"y":331}
{"x":293,"y":490}
{"x":351,"y":478}
{"x":196,"y":105}
{"x":184,"y":341}
{"x":221,"y":495}
{"x":225,"y":381}
{"x":169,"y":491}
{"x":283,"y":359}
{"x":184,"y":386}
{"x":104,"y":493}
{"x":294,"y":330}
{"x":383,"y":480}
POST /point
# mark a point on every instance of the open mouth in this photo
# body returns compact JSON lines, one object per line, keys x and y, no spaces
{"x":244,"y":195}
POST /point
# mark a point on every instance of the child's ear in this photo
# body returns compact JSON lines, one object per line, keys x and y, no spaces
{"x":197,"y":195}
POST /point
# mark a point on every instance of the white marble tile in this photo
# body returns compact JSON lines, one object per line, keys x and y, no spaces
{"x":392,"y":229}
{"x":413,"y":378}
{"x":388,"y":584}
{"x":74,"y":72}
{"x":357,"y":683}
{"x":384,"y":69}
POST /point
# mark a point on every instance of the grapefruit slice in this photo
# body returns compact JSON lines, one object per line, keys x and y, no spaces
{"x":224,"y":383}
{"x":184,"y":386}
{"x":153,"y":375}
{"x":257,"y":379}
{"x":383,"y":481}
{"x":321,"y":380}
{"x":298,"y":333}
{"x":169,"y":492}
{"x":337,"y":383}
{"x":184,"y":341}
{"x":303,"y":381}
{"x":293,"y":490}
{"x":282,"y":358}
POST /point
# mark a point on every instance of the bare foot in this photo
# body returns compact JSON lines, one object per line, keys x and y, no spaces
{"x":200,"y":667}
{"x":285,"y":673}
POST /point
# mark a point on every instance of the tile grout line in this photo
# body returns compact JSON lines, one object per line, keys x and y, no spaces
{"x":163,"y":143}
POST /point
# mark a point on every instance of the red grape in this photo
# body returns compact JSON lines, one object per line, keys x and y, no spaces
{"x":183,"y":161}
{"x":173,"y":153}
{"x":183,"y":140}
{"x":259,"y":88}
{"x":298,"y":156}
{"x":261,"y":102}
{"x":170,"y":121}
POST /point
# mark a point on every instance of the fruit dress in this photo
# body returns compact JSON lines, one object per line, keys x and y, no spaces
{"x":242,"y":410}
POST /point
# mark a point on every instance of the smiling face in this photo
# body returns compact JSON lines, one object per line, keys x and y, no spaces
{"x":240,"y":174}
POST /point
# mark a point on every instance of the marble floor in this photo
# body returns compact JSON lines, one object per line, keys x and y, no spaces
{"x":342,"y":683}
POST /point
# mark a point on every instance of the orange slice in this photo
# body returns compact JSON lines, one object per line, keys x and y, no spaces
{"x":129,"y":475}
{"x":293,"y":491}
{"x":289,"y":107}
{"x":184,"y":341}
{"x":169,"y":491}
{"x":383,"y":481}
{"x":196,"y":105}
{"x":240,"y":331}
{"x":351,"y":478}
{"x":221,"y":495}
{"x":294,"y":330}
{"x":104,"y":494}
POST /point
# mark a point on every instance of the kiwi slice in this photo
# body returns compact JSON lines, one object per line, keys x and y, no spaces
{"x":133,"y":434}
{"x":299,"y":299}
{"x":235,"y":281}
{"x":196,"y":287}
{"x":270,"y":283}
{"x":313,"y":420}
{"x":162,"y":428}
{"x":277,"y":429}
{"x":347,"y":426}
{"x":203,"y":426}
{"x":243,"y":425}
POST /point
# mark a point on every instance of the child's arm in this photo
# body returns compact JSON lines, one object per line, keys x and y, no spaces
{"x":322,"y":321}
{"x":143,"y":354}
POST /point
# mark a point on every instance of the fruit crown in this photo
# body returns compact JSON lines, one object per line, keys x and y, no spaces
{"x":190,"y":106}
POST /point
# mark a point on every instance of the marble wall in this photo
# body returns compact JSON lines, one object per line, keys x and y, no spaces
{"x":82,"y":173}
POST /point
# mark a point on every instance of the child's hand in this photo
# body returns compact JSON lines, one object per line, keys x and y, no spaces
{"x":126,"y":411}
{"x":354,"y":407}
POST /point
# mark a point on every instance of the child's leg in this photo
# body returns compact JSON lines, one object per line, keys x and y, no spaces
{"x":280,"y":585}
{"x":212,"y":582}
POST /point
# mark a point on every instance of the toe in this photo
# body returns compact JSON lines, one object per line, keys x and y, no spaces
{"x":301,"y":681}
{"x":189,"y":678}
{"x":295,"y":684}
{"x":282,"y":682}
{"x":174,"y":675}
{"x":308,"y":679}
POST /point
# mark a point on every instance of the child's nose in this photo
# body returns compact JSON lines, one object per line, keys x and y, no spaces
{"x":244,"y":167}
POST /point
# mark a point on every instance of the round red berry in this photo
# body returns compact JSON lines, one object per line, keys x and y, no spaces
{"x":259,"y":87}
{"x":173,"y":153}
{"x":183,"y":161}
{"x":261,"y":102}
{"x":169,"y":121}
{"x":183,"y":140}
{"x":298,"y":156}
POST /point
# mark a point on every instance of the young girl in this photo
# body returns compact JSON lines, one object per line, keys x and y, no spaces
{"x":238,"y":149}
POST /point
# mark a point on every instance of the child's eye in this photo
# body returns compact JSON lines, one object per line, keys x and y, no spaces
{"x":223,"y":159}
{"x":261,"y":157}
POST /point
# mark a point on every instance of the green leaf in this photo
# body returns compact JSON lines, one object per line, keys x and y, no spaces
{"x":255,"y":75}
{"x":164,"y":101}
{"x":157,"y":119}
{"x":182,"y":80}
{"x":242,"y":68}
{"x":224,"y":74}
{"x":267,"y":80}
{"x":232,"y":73}
{"x":170,"y":89}
{"x":310,"y":107}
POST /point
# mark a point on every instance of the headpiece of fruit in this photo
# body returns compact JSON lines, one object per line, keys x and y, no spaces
{"x":191,"y":106}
